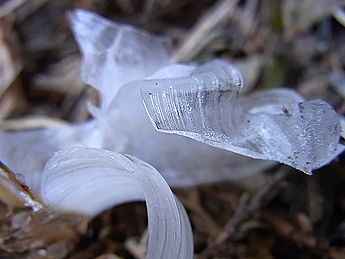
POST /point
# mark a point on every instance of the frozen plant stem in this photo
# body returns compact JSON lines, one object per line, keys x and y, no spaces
{"x":20,"y":191}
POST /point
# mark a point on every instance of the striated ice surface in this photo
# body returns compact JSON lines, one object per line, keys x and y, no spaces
{"x":181,"y":161}
{"x":115,"y":54}
{"x":274,"y":125}
{"x":89,"y":181}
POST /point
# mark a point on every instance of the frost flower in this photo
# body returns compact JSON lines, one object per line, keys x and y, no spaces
{"x":186,"y":120}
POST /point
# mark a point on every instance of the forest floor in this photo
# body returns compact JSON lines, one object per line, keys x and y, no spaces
{"x":280,"y":213}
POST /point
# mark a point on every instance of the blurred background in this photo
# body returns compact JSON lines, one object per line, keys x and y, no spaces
{"x":278,"y":214}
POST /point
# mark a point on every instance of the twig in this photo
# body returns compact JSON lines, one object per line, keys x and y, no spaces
{"x":246,"y":209}
{"x":315,"y":245}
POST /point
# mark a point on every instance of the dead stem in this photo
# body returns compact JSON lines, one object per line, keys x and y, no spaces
{"x":315,"y":245}
{"x":24,"y":194}
{"x":246,"y":209}
{"x":199,"y":36}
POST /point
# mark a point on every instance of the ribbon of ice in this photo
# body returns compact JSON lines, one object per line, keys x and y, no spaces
{"x":201,"y":103}
{"x":124,"y":124}
{"x":274,"y":125}
{"x":115,"y":54}
{"x":89,"y":180}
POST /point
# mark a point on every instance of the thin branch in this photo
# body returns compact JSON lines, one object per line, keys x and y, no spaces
{"x":246,"y":209}
{"x":315,"y":245}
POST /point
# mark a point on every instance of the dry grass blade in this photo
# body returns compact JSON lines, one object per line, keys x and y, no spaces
{"x":202,"y":32}
{"x":32,"y":122}
{"x":9,"y":63}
